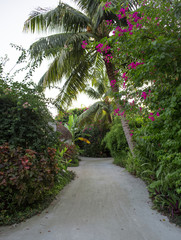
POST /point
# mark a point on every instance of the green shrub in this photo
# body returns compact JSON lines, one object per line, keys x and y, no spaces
{"x":71,"y":153}
{"x":24,"y":117}
{"x":116,"y":142}
{"x":25,"y":175}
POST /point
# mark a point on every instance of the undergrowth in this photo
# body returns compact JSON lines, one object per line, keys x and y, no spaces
{"x":25,"y":212}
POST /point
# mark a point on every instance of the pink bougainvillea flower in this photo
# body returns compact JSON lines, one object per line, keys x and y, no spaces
{"x":122,"y":113}
{"x":117,"y":110}
{"x":152,"y":118}
{"x":124,"y":75}
{"x":158,"y":114}
{"x":84,"y":44}
{"x":144,"y":95}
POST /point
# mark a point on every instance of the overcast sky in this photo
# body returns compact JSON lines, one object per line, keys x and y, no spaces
{"x":12,"y":17}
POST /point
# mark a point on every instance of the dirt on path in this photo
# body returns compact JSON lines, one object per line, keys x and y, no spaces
{"x":104,"y":202}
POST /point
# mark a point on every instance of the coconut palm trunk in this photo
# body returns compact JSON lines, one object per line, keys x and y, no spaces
{"x":125,"y":125}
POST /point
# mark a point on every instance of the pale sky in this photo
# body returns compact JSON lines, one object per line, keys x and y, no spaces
{"x":12,"y":17}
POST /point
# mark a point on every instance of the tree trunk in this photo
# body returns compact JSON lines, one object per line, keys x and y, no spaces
{"x":125,"y":125}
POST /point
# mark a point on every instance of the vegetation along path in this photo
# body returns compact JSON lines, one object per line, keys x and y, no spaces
{"x":104,"y":202}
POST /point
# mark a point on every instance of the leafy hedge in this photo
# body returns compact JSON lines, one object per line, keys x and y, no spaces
{"x":24,"y":117}
{"x":116,"y":142}
{"x":31,"y":166}
{"x":158,"y":157}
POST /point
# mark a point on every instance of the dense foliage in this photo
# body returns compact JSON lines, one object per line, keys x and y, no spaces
{"x":71,"y":155}
{"x":25,"y":175}
{"x":94,"y":133}
{"x":24,"y":117}
{"x":146,"y":51}
{"x":116,"y":142}
{"x":32,"y":163}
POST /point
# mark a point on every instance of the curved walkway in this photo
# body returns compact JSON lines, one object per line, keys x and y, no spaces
{"x":104,"y":202}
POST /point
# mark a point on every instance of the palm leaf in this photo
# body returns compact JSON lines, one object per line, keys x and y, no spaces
{"x":92,"y":93}
{"x":77,"y":80}
{"x":63,"y":17}
{"x":52,"y":45}
{"x":98,"y":111}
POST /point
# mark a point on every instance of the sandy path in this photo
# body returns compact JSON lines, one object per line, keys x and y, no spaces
{"x":104,"y":202}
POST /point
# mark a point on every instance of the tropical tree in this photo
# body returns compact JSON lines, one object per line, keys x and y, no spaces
{"x":102,"y":109}
{"x":70,"y":60}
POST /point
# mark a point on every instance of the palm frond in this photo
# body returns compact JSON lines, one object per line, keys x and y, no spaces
{"x":98,"y":111}
{"x":63,"y":17}
{"x":77,"y":80}
{"x":92,"y":93}
{"x":52,"y":45}
{"x":88,"y":6}
{"x":89,"y":115}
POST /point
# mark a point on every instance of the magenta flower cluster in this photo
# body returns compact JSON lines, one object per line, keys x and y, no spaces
{"x":144,"y":95}
{"x":133,"y":18}
{"x":107,"y":5}
{"x":125,"y":79}
{"x":116,"y":112}
{"x":101,"y":48}
{"x":122,"y":13}
{"x":113,"y":82}
{"x":109,"y":22}
{"x":104,"y":49}
{"x":151,"y":117}
{"x":134,"y":65}
{"x":84,"y":44}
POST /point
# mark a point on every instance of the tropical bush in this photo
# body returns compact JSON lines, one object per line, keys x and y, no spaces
{"x":28,"y":181}
{"x":71,"y":154}
{"x":24,"y":117}
{"x":31,"y":167}
{"x":116,"y":142}
{"x":148,"y":48}
{"x":25,"y":175}
{"x":94,"y":133}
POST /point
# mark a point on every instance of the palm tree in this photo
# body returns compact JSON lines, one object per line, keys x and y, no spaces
{"x":102,"y":109}
{"x":70,"y":60}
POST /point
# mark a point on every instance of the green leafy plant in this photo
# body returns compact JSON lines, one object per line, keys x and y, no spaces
{"x":115,"y":141}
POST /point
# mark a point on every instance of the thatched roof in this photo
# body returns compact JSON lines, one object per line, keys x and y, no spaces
{"x":65,"y":133}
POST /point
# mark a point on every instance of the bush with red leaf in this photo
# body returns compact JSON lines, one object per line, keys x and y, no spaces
{"x":25,"y":176}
